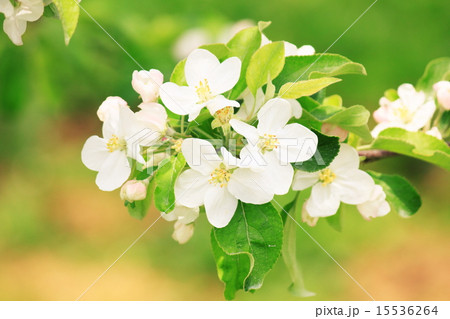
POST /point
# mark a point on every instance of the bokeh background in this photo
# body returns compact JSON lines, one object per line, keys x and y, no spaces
{"x":58,"y":232}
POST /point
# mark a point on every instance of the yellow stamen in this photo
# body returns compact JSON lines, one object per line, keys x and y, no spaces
{"x":220,"y":176}
{"x":177,"y":145}
{"x":403,"y":113}
{"x":115,"y":144}
{"x":224,"y":115}
{"x":326,"y":176}
{"x":268,"y":142}
{"x":203,"y":91}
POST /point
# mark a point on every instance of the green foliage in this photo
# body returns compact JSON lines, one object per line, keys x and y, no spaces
{"x":68,"y":11}
{"x":415,"y":144}
{"x":317,"y":66}
{"x":231,"y":269}
{"x":437,"y":70}
{"x":243,"y":45}
{"x":295,"y":90}
{"x":399,"y":193}
{"x":265,"y":64}
{"x":139,"y":209}
{"x":255,"y":231}
{"x":165,"y":178}
{"x":335,"y":221}
{"x":327,"y":150}
{"x":177,"y":75}
{"x":220,"y":50}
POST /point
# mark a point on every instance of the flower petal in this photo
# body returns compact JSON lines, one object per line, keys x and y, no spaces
{"x":376,"y":206}
{"x":190,"y":188}
{"x":355,"y":187}
{"x":323,"y":201}
{"x":199,"y":65}
{"x":114,"y":171}
{"x":200,"y":155}
{"x":94,"y":153}
{"x":296,"y":108}
{"x":274,"y":115}
{"x":422,"y":116}
{"x":14,"y":28}
{"x":220,"y":206}
{"x":153,"y":115}
{"x":6,"y":8}
{"x":297,"y":143}
{"x":250,"y":186}
{"x":180,"y":100}
{"x":246,"y":130}
{"x":347,"y":159}
{"x":219,"y":102}
{"x":303,"y":180}
{"x":225,"y":76}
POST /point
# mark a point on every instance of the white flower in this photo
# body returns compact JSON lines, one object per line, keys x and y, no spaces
{"x":134,"y":190}
{"x":342,"y":181}
{"x":153,"y":116}
{"x":442,"y":89}
{"x":207,"y":79}
{"x":182,"y":233}
{"x":122,"y":138}
{"x":16,"y":18}
{"x":183,"y":214}
{"x":434,"y":131}
{"x":252,"y":104}
{"x":218,"y":183}
{"x":290,"y":49}
{"x":376,"y":205}
{"x":411,"y":111}
{"x":307,"y":218}
{"x":147,"y":84}
{"x":110,"y":108}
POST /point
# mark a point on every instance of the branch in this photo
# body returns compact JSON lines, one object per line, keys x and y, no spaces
{"x":374,"y":155}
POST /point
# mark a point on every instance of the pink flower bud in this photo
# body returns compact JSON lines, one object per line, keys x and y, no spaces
{"x":134,"y":190}
{"x":147,"y":84}
{"x":442,"y":90}
{"x":334,"y":130}
{"x":110,"y":107}
{"x":382,"y":113}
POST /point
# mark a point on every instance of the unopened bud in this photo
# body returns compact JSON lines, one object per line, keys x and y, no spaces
{"x":134,"y":190}
{"x":182,"y":233}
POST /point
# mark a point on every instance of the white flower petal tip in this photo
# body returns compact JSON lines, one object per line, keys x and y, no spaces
{"x":291,"y":50}
{"x":110,"y":108}
{"x":182,"y":233}
{"x":442,"y":90}
{"x":147,"y":84}
{"x":376,"y":206}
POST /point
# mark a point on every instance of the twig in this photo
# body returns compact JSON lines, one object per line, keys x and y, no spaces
{"x":374,"y":155}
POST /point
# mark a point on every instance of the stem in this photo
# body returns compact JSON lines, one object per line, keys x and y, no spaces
{"x":182,"y":124}
{"x":374,"y":155}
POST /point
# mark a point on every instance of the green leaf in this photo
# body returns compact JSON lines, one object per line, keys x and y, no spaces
{"x":165,"y":178}
{"x":327,"y":150}
{"x":335,"y":221}
{"x":267,"y":62}
{"x":295,"y":90}
{"x":243,"y":45}
{"x":391,"y":94}
{"x":220,"y":50}
{"x":415,"y":144}
{"x":437,"y":70}
{"x":313,"y":67}
{"x":353,"y":119}
{"x":177,"y":75}
{"x":139,"y":209}
{"x":333,"y":100}
{"x":400,"y":194}
{"x":257,"y":232}
{"x":231,"y":269}
{"x":68,"y":11}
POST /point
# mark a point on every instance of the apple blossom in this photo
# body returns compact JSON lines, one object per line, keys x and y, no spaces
{"x":147,"y":84}
{"x":290,"y":49}
{"x":341,"y":181}
{"x":218,"y":183}
{"x":307,"y":218}
{"x":110,"y":107}
{"x":16,"y":18}
{"x":411,"y":111}
{"x":134,"y":190}
{"x":182,"y":233}
{"x":153,"y":116}
{"x":376,"y":205}
{"x":122,"y":138}
{"x":442,"y":89}
{"x":434,"y":131}
{"x":184,"y":218}
{"x":207,"y":79}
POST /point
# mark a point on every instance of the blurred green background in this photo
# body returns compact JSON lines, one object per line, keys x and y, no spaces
{"x":58,"y":232}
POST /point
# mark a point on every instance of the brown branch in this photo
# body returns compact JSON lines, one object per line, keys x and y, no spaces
{"x":374,"y":155}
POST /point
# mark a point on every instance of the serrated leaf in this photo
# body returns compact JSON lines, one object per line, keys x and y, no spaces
{"x":231,"y":269}
{"x":177,"y":75}
{"x":437,"y":70}
{"x":165,"y":177}
{"x":327,"y":149}
{"x":220,"y":50}
{"x":255,"y":231}
{"x":400,"y":194}
{"x":68,"y":12}
{"x":414,"y":144}
{"x":295,"y":90}
{"x":312,"y":67}
{"x":267,"y":62}
{"x":243,"y":45}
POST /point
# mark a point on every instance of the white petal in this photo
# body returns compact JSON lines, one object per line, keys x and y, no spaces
{"x":170,"y":217}
{"x":30,"y":10}
{"x":376,"y":206}
{"x":279,"y":174}
{"x":186,"y":215}
{"x":114,"y":171}
{"x":6,"y":8}
{"x":190,"y":188}
{"x":274,"y":115}
{"x":422,"y":116}
{"x":289,"y":49}
{"x":306,"y":50}
{"x":250,"y":186}
{"x":246,"y":130}
{"x":94,"y":153}
{"x":323,"y":202}
{"x":229,"y":159}
{"x":200,"y":155}
{"x":297,"y":143}
{"x":199,"y":65}
{"x":110,"y":107}
{"x":220,"y":206}
{"x":410,"y":97}
{"x":14,"y":28}
{"x":347,"y":159}
{"x":153,"y":115}
{"x":355,"y":187}
{"x":219,"y":102}
{"x":224,"y":77}
{"x":179,"y":99}
{"x":303,"y":180}
{"x":295,"y":108}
